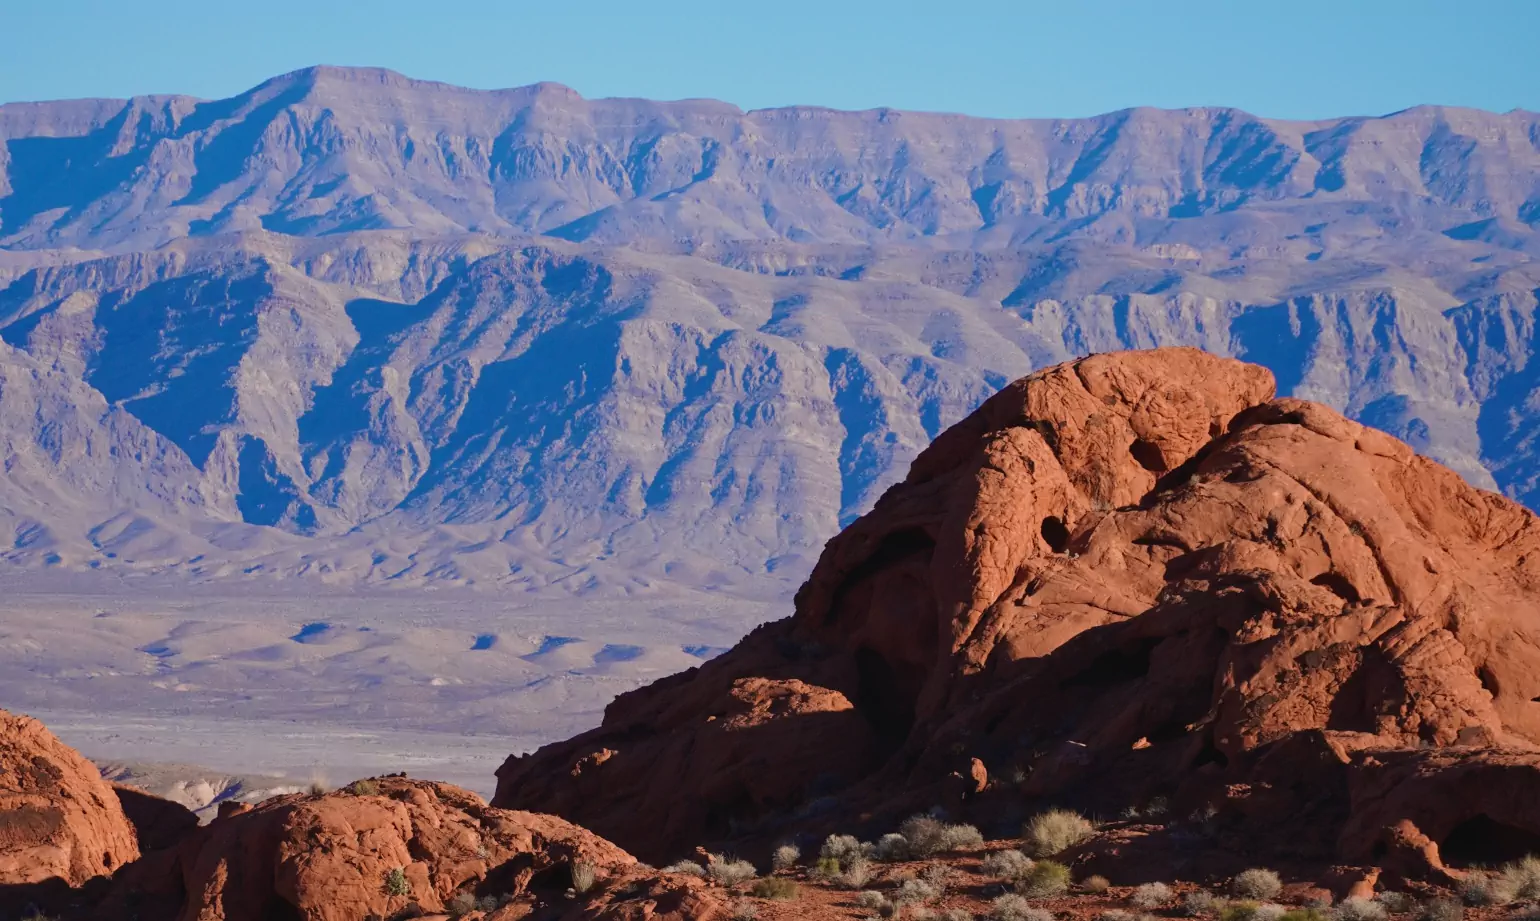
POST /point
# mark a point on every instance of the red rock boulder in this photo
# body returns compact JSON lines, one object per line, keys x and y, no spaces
{"x":1127,"y":578}
{"x":58,"y":818}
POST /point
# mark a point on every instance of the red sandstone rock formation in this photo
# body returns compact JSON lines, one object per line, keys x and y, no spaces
{"x":1128,"y":577}
{"x":333,"y":857}
{"x":58,"y":818}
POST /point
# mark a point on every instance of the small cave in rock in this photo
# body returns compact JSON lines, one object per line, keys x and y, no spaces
{"x":1115,"y":666}
{"x":1337,"y":584}
{"x":1483,"y":841}
{"x":1372,"y":689}
{"x":1055,"y":534}
{"x":1147,"y":455}
{"x":882,"y":697}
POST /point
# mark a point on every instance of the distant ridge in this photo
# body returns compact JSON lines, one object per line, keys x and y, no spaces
{"x":352,"y":325}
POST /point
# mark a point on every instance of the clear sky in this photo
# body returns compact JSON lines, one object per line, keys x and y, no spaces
{"x":1004,"y":58}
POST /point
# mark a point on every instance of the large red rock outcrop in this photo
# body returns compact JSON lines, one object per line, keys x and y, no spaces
{"x":58,"y":818}
{"x":1133,"y":576}
{"x":344,"y":856}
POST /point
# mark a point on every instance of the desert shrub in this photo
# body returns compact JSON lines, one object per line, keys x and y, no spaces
{"x":938,"y":875}
{"x":731,"y":872}
{"x":1045,"y":880}
{"x":1267,"y":911}
{"x":1015,"y":908}
{"x":1096,"y":884}
{"x":1117,"y":914}
{"x":921,"y":913}
{"x":1359,"y":910}
{"x":462,"y":904}
{"x":871,"y":899}
{"x":957,"y":837}
{"x":1239,"y":911}
{"x":841,"y":847}
{"x":364,"y":788}
{"x":892,"y":846}
{"x":1200,"y":902}
{"x":1396,"y":902}
{"x":1150,"y":896}
{"x":1006,"y":864}
{"x":826,"y":868}
{"x":856,"y":874}
{"x":926,"y":835}
{"x":1441,"y":910}
{"x":1528,"y":913}
{"x":774,"y":888}
{"x":785,"y":857}
{"x":916,"y":890}
{"x":584,"y":875}
{"x":1522,"y":878}
{"x":955,"y":914}
{"x":1481,"y":890}
{"x":745,"y":911}
{"x":1302,"y":914}
{"x":316,"y":788}
{"x":1056,"y":830}
{"x":396,"y":883}
{"x":686,"y":868}
{"x":1256,"y":884}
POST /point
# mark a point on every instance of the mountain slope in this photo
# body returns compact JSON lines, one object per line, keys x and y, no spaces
{"x":367,"y":327}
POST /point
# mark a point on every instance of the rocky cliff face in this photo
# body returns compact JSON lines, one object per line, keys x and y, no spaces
{"x":359,"y":326}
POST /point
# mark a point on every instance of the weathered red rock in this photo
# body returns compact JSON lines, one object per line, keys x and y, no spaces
{"x":1128,"y":577}
{"x":331,"y":857}
{"x":58,"y":818}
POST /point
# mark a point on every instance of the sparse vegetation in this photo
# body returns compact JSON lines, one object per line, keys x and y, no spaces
{"x":782,"y":890}
{"x":1481,"y":890}
{"x":1006,"y":865}
{"x":317,"y":788}
{"x":686,"y":868}
{"x":1302,"y":914}
{"x":785,"y":857}
{"x":584,"y":875}
{"x":1199,"y":903}
{"x":728,"y":872}
{"x":1522,"y":878}
{"x":1239,"y":911}
{"x":1095,"y":884}
{"x":857,"y":873}
{"x":396,"y":883}
{"x":364,"y":788}
{"x":955,"y":914}
{"x":1056,"y":830}
{"x":1441,"y":910}
{"x":1150,"y":896}
{"x":1360,"y":910}
{"x":745,"y":911}
{"x":1116,"y":914}
{"x":1267,"y":911}
{"x":916,"y":891}
{"x":938,"y":875}
{"x":892,"y":846}
{"x":1015,"y":908}
{"x":841,"y":847}
{"x":1046,"y":879}
{"x":826,"y":868}
{"x":462,"y":904}
{"x":871,"y":899}
{"x":1256,"y":884}
{"x":1396,"y":902}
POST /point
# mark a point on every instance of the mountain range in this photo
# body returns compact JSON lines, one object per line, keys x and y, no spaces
{"x":366,"y":328}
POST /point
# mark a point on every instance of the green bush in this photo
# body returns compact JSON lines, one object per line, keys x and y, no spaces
{"x":1045,"y":880}
{"x":774,"y":888}
{"x":396,"y":883}
{"x":364,"y":788}
{"x":1057,"y":829}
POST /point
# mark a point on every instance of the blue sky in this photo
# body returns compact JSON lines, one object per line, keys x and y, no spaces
{"x":1300,"y":59}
